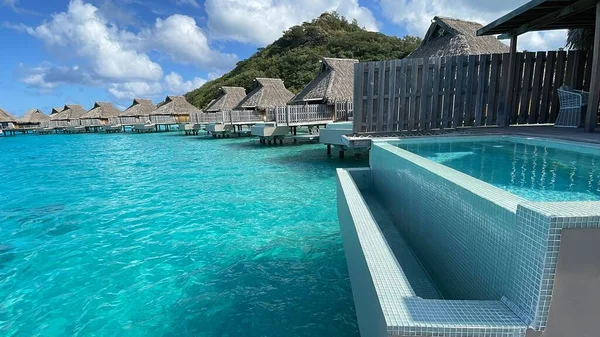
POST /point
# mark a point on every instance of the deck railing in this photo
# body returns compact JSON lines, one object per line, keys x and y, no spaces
{"x":245,"y":116}
{"x":343,"y":111}
{"x":163,"y":119}
{"x":64,"y":123}
{"x":91,"y":122}
{"x":459,"y":91}
{"x":294,"y":115}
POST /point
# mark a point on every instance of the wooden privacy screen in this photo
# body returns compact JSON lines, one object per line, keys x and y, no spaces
{"x":463,"y":91}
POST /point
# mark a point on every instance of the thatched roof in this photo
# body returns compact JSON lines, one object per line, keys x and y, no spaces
{"x":139,"y":107}
{"x":101,"y":110}
{"x":55,"y":111}
{"x":452,"y":37}
{"x":5,"y":117}
{"x":267,"y":93}
{"x":175,"y":105}
{"x":228,"y":99}
{"x":34,"y":116}
{"x":335,"y":82}
{"x":70,"y":112}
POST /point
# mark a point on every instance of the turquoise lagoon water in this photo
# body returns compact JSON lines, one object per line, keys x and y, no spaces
{"x":163,"y":235}
{"x":533,"y":171}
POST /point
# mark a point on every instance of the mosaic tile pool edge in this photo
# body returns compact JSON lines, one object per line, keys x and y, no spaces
{"x":527,"y":295}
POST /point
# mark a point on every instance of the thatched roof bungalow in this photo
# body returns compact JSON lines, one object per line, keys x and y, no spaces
{"x":69,"y":116}
{"x":138,"y":112}
{"x":334,"y":83}
{"x":6,"y":119}
{"x":100,"y":114}
{"x":229,"y":98}
{"x":267,"y":93}
{"x":174,"y":110}
{"x":453,"y":37}
{"x":34,"y":118}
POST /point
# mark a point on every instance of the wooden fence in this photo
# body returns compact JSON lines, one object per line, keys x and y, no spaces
{"x":343,"y":111}
{"x":458,"y":91}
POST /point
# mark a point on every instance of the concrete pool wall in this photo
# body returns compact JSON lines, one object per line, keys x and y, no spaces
{"x":479,"y":246}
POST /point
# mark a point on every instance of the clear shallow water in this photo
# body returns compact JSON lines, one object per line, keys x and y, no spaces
{"x":162,"y":235}
{"x":534,"y":172}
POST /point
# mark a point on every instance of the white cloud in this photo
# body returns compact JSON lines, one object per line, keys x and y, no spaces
{"x":118,"y":59}
{"x":183,"y":41}
{"x":192,"y":3}
{"x":86,"y":34}
{"x":263,"y":21}
{"x":416,"y":15}
{"x":130,"y":90}
{"x":175,"y":84}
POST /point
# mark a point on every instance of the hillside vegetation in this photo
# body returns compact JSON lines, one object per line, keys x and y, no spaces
{"x":295,"y":56}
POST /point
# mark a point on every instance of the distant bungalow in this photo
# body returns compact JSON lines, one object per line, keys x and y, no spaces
{"x":229,"y":98}
{"x":334,"y":83}
{"x":452,"y":37}
{"x":55,"y":111}
{"x":69,"y":116}
{"x":33,"y":118}
{"x":99,"y":115}
{"x":174,"y":110}
{"x":138,"y":113}
{"x":7,"y":120}
{"x":267,"y":93}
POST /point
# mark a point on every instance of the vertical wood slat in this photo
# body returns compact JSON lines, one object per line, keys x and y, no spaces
{"x":403,"y":86}
{"x":570,"y":79}
{"x":547,"y":87}
{"x":370,"y":93}
{"x":435,"y":95}
{"x":518,"y":87}
{"x":358,"y":97}
{"x":380,"y":95}
{"x":391,"y":96}
{"x":526,"y":87}
{"x":424,"y":119}
{"x":559,"y":77}
{"x":536,"y":88}
{"x":468,"y":115}
{"x":493,"y":89}
{"x":459,"y":106}
{"x":504,"y":88}
{"x":480,"y":96}
{"x":449,"y":90}
{"x":414,"y":80}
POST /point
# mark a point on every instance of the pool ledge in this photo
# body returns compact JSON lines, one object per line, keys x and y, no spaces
{"x":386,"y":303}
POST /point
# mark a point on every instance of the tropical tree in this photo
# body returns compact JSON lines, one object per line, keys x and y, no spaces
{"x":581,"y":39}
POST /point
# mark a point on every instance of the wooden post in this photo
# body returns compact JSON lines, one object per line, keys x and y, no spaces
{"x":329,"y":149}
{"x":591,"y":117}
{"x":504,"y":112}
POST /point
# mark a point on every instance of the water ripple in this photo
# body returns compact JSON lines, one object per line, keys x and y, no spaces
{"x":156,"y":235}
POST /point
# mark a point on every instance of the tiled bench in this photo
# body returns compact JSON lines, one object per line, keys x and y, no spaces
{"x":393,"y":294}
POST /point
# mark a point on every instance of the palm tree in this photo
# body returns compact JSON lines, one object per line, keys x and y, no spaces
{"x":582,"y":39}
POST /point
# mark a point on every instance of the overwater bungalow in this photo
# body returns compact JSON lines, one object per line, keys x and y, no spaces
{"x":54,"y":111}
{"x":138,"y":113}
{"x":267,"y":93}
{"x":334,"y":83}
{"x":265,"y":97}
{"x":33,"y":119}
{"x":454,"y":37}
{"x":174,"y":110}
{"x":229,"y":98}
{"x":7,"y":122}
{"x":99,"y":116}
{"x":68,"y":119}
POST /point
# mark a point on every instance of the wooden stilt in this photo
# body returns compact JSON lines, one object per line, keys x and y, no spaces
{"x":329,"y":149}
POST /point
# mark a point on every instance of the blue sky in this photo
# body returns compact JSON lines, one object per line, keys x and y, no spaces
{"x":81,"y":51}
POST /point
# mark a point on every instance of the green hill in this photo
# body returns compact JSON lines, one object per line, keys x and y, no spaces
{"x":295,"y":56}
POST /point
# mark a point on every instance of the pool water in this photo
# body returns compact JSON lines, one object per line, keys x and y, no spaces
{"x":532,"y":171}
{"x":164,"y":235}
